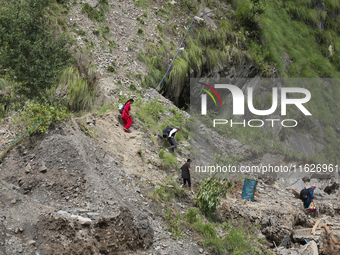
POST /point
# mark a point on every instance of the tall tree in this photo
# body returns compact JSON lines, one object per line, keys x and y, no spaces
{"x":31,"y":52}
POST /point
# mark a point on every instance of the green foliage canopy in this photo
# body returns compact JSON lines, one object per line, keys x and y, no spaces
{"x":30,"y":51}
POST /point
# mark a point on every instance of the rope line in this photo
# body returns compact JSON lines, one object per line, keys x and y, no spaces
{"x":20,"y":136}
{"x":175,"y":55}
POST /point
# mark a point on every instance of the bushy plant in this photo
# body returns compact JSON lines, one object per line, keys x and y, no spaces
{"x":169,"y":190}
{"x":191,"y":215}
{"x":142,"y":3}
{"x":208,"y":195}
{"x":111,"y":69}
{"x":33,"y":112}
{"x":93,"y":13}
{"x":168,"y":160}
{"x":31,"y":52}
{"x":174,"y":223}
{"x":140,"y":31}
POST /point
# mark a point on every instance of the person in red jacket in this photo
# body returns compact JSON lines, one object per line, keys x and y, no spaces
{"x":127,"y":120}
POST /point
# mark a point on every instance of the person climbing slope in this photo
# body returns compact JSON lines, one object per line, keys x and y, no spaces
{"x":127,"y":120}
{"x":186,"y":175}
{"x":170,"y":133}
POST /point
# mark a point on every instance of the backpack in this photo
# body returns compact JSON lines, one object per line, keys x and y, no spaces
{"x":166,"y":132}
{"x":121,"y":108}
{"x":304,"y":194}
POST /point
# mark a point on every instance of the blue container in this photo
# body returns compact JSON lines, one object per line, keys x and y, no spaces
{"x":248,"y":190}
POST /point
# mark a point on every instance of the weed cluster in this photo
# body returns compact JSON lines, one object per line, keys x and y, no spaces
{"x":93,"y":13}
{"x":174,"y":223}
{"x":236,"y":240}
{"x":169,"y":190}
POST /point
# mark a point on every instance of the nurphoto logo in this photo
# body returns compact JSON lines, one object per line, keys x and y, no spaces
{"x":281,"y":97}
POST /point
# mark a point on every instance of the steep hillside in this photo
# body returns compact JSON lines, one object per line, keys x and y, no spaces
{"x":79,"y":184}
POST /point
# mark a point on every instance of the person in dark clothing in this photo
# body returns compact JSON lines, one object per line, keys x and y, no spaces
{"x":186,"y":174}
{"x":310,"y":197}
{"x":127,"y":120}
{"x":171,"y":139}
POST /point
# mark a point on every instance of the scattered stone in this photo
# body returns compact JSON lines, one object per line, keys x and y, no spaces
{"x":198,"y":19}
{"x":31,"y":242}
{"x":92,"y":3}
{"x":84,"y":221}
{"x":63,"y":213}
{"x":92,"y":214}
{"x":43,"y":168}
{"x":201,"y":250}
{"x":83,"y":210}
{"x":28,"y":168}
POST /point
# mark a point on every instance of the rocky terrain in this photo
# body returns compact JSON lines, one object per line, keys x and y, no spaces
{"x":87,"y":187}
{"x":68,"y":193}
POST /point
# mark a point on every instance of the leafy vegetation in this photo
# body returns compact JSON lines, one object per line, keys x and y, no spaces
{"x":34,"y":112}
{"x":31,"y":53}
{"x":169,"y":160}
{"x":236,"y":239}
{"x":93,"y":13}
{"x":142,"y":3}
{"x":169,"y":190}
{"x":174,"y":223}
{"x":209,"y":193}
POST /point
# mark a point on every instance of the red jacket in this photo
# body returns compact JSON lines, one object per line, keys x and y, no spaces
{"x":126,"y":109}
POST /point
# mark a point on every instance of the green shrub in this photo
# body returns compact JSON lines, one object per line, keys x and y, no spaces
{"x":174,"y":223}
{"x":33,"y":112}
{"x":30,"y":50}
{"x":208,"y":195}
{"x":142,"y":3}
{"x":150,"y":113}
{"x":140,"y":20}
{"x":106,"y":30}
{"x":113,"y":44}
{"x":2,"y":111}
{"x":169,"y":190}
{"x":168,"y":160}
{"x":160,"y":28}
{"x":140,"y":31}
{"x":111,"y":69}
{"x":206,"y":229}
{"x":241,"y":240}
{"x":96,"y":32}
{"x":80,"y":96}
{"x":93,"y":13}
{"x":132,"y":86}
{"x":191,"y":215}
{"x":81,"y":32}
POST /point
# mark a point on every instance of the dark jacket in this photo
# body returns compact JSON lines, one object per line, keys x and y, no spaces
{"x":185,"y":171}
{"x":309,"y":199}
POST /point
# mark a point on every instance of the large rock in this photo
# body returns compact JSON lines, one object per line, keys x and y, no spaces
{"x":112,"y":234}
